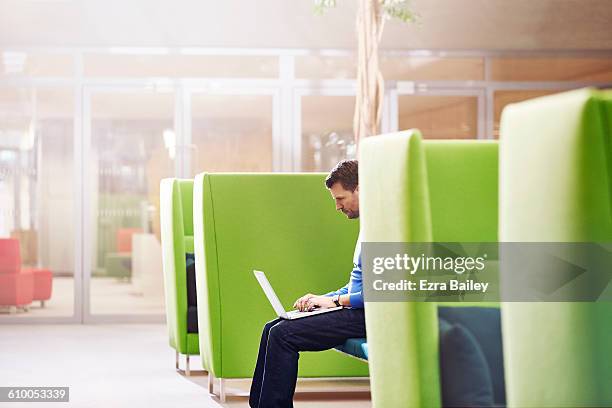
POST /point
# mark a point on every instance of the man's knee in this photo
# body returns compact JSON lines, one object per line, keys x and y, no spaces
{"x":280,"y":331}
{"x":269,"y":325}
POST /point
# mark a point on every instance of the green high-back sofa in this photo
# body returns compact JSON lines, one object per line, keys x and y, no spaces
{"x":555,"y":186}
{"x":416,"y":191}
{"x":285,"y":225}
{"x":176,"y":213}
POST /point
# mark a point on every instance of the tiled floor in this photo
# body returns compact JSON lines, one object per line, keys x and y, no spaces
{"x":130,"y":366}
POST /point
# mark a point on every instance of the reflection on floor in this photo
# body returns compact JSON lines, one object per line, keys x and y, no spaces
{"x":113,"y":296}
{"x":108,"y":296}
{"x":129,"y":366}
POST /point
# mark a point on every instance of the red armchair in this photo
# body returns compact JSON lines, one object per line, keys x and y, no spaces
{"x":16,"y":286}
{"x":43,"y":284}
{"x":19,"y":287}
{"x":124,"y":238}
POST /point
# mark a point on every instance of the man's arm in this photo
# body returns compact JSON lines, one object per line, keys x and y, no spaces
{"x":344,"y":300}
{"x":342,"y":291}
{"x":354,"y":300}
{"x":309,"y":302}
{"x":300,"y":304}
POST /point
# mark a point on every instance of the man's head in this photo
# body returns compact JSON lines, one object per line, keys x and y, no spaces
{"x":343,"y":184}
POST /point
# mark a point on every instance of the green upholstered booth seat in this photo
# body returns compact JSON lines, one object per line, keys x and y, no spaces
{"x":555,"y":184}
{"x":482,"y":320}
{"x":118,"y":264}
{"x":415,"y":191}
{"x":285,"y":225}
{"x":176,"y":212}
{"x":188,"y":242}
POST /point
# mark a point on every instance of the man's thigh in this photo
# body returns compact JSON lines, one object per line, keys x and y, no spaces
{"x":323,"y":331}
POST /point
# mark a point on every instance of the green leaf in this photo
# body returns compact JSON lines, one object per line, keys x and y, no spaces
{"x":321,"y":6}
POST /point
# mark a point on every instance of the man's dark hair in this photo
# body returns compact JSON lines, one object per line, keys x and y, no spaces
{"x":346,"y":173}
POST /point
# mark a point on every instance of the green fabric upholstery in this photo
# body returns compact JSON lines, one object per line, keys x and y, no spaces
{"x":188,"y":244}
{"x":284,"y":225}
{"x":462,"y":180}
{"x":176,"y":203}
{"x":441,"y":191}
{"x":555,"y":183}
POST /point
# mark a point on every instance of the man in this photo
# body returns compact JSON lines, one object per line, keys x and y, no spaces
{"x":281,"y":341}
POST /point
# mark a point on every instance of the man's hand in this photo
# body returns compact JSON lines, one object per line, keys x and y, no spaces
{"x":323,"y":302}
{"x":300,"y":304}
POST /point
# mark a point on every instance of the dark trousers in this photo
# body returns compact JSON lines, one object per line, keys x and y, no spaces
{"x":281,"y":341}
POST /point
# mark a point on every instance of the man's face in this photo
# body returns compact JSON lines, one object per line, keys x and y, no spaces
{"x":346,"y":201}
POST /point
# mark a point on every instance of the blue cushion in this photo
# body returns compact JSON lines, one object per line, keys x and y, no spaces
{"x":364,"y":347}
{"x":464,"y":373}
{"x":354,"y":348}
{"x":484,"y":323}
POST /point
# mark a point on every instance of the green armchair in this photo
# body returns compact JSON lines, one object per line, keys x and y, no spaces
{"x":176,"y":203}
{"x":284,"y":225}
{"x":415,"y":191}
{"x":555,"y":186}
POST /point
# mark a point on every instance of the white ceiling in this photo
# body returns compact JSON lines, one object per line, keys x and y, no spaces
{"x":445,"y":24}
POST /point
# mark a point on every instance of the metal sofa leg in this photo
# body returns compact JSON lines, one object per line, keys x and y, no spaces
{"x":187,"y":370}
{"x":222,"y":389}
{"x":42,"y":303}
{"x":211,"y":383}
{"x":211,"y":387}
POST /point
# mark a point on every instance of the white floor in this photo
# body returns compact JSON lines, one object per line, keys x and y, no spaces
{"x":108,"y":296}
{"x":130,"y":366}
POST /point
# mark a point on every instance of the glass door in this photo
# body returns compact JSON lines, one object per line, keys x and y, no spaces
{"x":130,"y":145}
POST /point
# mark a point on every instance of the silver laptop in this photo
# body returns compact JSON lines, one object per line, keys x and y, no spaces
{"x":278,"y":306}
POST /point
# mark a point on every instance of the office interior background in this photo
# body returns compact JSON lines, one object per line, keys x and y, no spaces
{"x":101,"y":100}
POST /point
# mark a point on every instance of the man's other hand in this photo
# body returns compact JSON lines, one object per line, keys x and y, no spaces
{"x":323,"y":302}
{"x":300,"y":304}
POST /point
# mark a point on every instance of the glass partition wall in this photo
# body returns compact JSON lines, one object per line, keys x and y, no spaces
{"x":326,"y":129}
{"x":86,"y":136}
{"x":233,"y":132}
{"x":37,"y":202}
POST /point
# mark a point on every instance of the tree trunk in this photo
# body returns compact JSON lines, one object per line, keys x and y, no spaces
{"x":370,"y":84}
